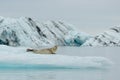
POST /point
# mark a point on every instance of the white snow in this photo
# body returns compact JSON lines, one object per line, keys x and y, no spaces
{"x":110,"y":37}
{"x":17,"y":57}
{"x":26,"y":31}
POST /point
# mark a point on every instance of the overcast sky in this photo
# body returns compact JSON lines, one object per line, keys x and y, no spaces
{"x":92,"y":16}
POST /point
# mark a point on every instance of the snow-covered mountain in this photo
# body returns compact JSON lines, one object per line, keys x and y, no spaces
{"x":107,"y":38}
{"x":25,"y":31}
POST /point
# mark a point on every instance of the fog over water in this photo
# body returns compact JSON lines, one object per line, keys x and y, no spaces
{"x":92,"y":16}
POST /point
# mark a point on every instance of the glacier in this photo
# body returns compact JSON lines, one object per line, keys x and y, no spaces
{"x":26,"y":31}
{"x":108,"y":38}
{"x":18,"y":58}
{"x":75,"y":38}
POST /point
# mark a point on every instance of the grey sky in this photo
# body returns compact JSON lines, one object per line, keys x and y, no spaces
{"x":92,"y":16}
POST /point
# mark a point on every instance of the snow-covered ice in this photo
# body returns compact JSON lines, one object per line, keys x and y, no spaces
{"x":110,"y":37}
{"x":17,"y":57}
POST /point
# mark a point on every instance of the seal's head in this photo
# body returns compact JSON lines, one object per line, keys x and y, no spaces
{"x":28,"y":50}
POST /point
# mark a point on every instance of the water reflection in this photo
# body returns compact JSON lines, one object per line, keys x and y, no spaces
{"x":53,"y":75}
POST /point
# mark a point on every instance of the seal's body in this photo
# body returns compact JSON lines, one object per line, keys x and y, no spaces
{"x":44,"y":51}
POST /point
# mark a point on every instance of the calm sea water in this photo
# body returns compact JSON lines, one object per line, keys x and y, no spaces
{"x":112,"y":53}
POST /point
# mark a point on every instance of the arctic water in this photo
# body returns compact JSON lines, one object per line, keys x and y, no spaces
{"x":111,"y":73}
